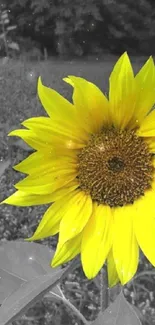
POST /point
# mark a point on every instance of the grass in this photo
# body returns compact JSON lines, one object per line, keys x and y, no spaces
{"x":18,"y":101}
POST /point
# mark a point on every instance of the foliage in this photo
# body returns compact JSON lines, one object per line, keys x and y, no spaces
{"x":79,"y":27}
{"x":6,"y":42}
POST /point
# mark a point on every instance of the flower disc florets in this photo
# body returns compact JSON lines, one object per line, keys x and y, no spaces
{"x":115,"y":167}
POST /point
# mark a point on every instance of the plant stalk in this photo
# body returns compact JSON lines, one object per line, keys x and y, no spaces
{"x":104,"y":291}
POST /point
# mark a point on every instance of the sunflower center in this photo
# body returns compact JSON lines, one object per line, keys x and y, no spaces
{"x":115,"y":167}
{"x":116,"y":164}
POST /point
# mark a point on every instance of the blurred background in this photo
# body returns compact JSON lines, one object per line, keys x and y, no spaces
{"x":55,"y":38}
{"x":78,"y":28}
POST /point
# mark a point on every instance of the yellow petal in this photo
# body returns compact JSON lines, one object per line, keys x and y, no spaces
{"x":60,"y":192}
{"x":48,"y":183}
{"x":20,"y":198}
{"x":113,"y":278}
{"x":92,"y":105}
{"x":56,"y":128}
{"x":76,"y":217}
{"x":31,"y":139}
{"x":50,"y":223}
{"x":67,"y":252}
{"x":144,"y":225}
{"x":121,"y":92}
{"x":151,"y":143}
{"x":125,"y":247}
{"x":43,"y":138}
{"x":145,"y":89}
{"x":147,"y":127}
{"x":55,"y":105}
{"x":39,"y":162}
{"x":96,"y":240}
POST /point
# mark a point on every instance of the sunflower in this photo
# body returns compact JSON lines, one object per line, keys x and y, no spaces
{"x":94,"y":162}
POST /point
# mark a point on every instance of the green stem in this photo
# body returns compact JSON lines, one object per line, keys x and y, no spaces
{"x":70,"y":305}
{"x":104,"y":291}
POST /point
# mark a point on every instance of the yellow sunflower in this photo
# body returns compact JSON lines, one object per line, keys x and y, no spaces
{"x":94,"y":161}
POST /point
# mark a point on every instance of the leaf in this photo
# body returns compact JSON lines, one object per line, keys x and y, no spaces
{"x":2,"y":36}
{"x":13,"y":46}
{"x":120,"y":312}
{"x":11,"y":27}
{"x":27,"y":295}
{"x":34,"y":282}
{"x":4,"y":15}
{"x":21,"y":262}
{"x":6,"y":21}
{"x":3,"y":166}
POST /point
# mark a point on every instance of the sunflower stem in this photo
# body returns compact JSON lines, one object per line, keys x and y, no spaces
{"x":104,"y":291}
{"x":68,"y":304}
{"x":75,"y":311}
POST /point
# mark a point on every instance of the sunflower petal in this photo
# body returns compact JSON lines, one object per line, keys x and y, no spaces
{"x":121,"y":92}
{"x":39,"y":162}
{"x":145,"y":90}
{"x":76,"y":217}
{"x":151,"y":143}
{"x":55,"y":105}
{"x":113,"y":278}
{"x":31,"y":139}
{"x":147,"y":127}
{"x":144,"y":225}
{"x":92,"y":105}
{"x":59,"y":193}
{"x":20,"y":198}
{"x":50,"y":223}
{"x":125,"y":247}
{"x":46,"y":184}
{"x":96,"y":240}
{"x":56,"y":128}
{"x":43,"y":139}
{"x":67,"y":252}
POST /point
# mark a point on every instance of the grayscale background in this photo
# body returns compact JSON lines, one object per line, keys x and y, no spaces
{"x":56,"y":38}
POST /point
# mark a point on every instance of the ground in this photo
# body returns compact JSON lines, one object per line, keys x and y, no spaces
{"x":18,"y":101}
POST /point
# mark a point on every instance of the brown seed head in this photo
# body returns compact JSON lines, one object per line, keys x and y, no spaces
{"x":115,"y":167}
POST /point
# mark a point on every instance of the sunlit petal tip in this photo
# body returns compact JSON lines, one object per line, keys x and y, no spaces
{"x":24,"y":123}
{"x":12,"y":133}
{"x":124,"y":55}
{"x":29,"y":239}
{"x":6,"y":201}
{"x":15,"y":167}
{"x":69,"y":81}
{"x":123,"y":60}
{"x":90,"y":274}
{"x":40,"y":84}
{"x":73,"y":79}
{"x":151,"y":60}
{"x":3,"y":202}
{"x":55,"y":263}
{"x":148,"y":65}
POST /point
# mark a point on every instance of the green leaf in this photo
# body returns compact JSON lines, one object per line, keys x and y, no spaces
{"x":26,"y":295}
{"x":26,"y":277}
{"x":21,"y":262}
{"x":120,"y":312}
{"x":13,"y":46}
{"x":11,"y":27}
